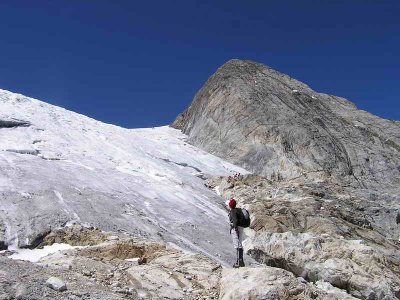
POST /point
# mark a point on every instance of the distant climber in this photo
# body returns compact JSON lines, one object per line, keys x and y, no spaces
{"x":398,"y":217}
{"x":236,"y":176}
{"x":239,"y":219}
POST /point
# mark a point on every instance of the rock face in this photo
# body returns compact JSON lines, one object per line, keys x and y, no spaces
{"x":325,"y":188}
{"x":278,"y":127}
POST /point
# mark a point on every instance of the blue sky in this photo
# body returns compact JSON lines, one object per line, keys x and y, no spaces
{"x":139,"y":63}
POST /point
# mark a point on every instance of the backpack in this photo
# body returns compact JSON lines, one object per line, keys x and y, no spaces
{"x":244,"y":218}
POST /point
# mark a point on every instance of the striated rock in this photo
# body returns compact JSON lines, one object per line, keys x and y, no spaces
{"x":278,"y":127}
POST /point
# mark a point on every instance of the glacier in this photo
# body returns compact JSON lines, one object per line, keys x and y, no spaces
{"x":58,"y":167}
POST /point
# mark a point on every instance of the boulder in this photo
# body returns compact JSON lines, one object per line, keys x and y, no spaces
{"x":56,"y":284}
{"x":269,"y":283}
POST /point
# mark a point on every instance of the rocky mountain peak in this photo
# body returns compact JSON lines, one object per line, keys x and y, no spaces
{"x":245,"y":69}
{"x":278,"y":127}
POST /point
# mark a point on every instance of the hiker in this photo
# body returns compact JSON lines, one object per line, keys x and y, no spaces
{"x":238,"y":220}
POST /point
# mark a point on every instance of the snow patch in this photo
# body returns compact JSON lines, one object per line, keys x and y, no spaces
{"x":216,"y":189}
{"x":25,"y":195}
{"x":34,"y":255}
{"x":11,"y":236}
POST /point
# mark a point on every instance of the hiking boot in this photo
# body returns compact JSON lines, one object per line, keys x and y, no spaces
{"x":239,"y":262}
{"x":236,"y":265}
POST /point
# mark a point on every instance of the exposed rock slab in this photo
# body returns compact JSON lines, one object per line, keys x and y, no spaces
{"x":177,"y":276}
{"x":362,"y":270}
{"x":271,"y":283}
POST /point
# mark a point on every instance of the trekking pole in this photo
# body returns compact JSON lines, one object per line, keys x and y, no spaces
{"x":237,"y":249}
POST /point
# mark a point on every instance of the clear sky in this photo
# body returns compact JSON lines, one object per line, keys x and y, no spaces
{"x":139,"y":63}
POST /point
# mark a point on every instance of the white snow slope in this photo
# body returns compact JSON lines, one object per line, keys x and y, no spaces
{"x":57,"y":166}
